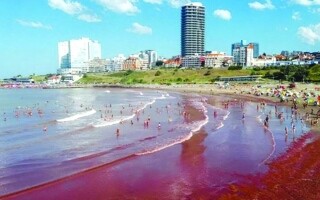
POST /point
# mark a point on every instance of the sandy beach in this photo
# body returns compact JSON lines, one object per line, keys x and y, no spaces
{"x":199,"y":168}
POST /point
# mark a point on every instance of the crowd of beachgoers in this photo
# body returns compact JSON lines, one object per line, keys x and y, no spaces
{"x":299,"y":96}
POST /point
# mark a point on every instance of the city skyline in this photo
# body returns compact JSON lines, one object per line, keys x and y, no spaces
{"x":32,"y":29}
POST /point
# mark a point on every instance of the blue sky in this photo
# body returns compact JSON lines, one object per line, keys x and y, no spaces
{"x":31,"y":29}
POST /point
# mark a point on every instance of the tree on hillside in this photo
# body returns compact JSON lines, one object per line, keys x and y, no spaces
{"x":301,"y":74}
{"x":159,"y":63}
{"x":279,"y":76}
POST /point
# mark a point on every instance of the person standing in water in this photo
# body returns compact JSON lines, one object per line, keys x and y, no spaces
{"x":118,"y":132}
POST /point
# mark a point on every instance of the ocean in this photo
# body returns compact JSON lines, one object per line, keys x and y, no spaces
{"x":47,"y":135}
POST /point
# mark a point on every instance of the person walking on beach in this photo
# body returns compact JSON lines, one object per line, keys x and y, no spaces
{"x":215,"y":114}
{"x":159,"y":126}
{"x":266,"y":121}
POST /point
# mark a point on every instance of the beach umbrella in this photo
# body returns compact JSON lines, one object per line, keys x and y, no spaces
{"x":310,"y":101}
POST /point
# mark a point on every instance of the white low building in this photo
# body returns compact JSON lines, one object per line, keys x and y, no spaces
{"x":218,"y":60}
{"x":54,"y":80}
{"x":115,"y":64}
{"x":264,"y":61}
{"x":96,"y":65}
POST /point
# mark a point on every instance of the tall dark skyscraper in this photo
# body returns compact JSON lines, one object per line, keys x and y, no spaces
{"x":192,"y":29}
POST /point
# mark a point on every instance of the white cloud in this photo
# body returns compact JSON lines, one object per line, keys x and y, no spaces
{"x":296,"y":16}
{"x":310,"y":34}
{"x":33,"y":24}
{"x":261,"y":6}
{"x":172,"y":3}
{"x":223,"y":14}
{"x":89,"y":18}
{"x":139,"y":29}
{"x":306,"y":2}
{"x":178,"y":3}
{"x":153,"y":1}
{"x":74,"y":8}
{"x":120,"y":6}
{"x":67,"y":6}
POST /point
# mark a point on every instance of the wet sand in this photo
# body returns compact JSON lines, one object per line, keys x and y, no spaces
{"x":294,"y":175}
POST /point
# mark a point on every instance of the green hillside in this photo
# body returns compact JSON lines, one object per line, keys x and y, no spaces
{"x":166,"y":76}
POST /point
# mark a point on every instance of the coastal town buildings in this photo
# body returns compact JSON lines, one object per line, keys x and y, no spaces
{"x":115,"y":64}
{"x":194,"y":61}
{"x":244,"y":43}
{"x":243,"y":53}
{"x":263,"y":61}
{"x":217,"y":59}
{"x":74,"y":55}
{"x":151,"y":56}
{"x":135,"y":63}
{"x":172,"y":62}
{"x":96,"y":65}
{"x":192,"y":29}
{"x":55,"y":79}
{"x":213,"y":59}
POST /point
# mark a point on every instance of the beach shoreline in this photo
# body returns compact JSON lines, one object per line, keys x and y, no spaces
{"x":113,"y":178}
{"x":241,"y":91}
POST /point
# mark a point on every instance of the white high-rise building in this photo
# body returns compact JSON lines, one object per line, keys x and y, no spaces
{"x":74,"y":55}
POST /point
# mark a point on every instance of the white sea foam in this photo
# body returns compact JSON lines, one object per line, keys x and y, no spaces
{"x":151,"y":102}
{"x":162,"y":97}
{"x":178,"y":141}
{"x":259,"y":118}
{"x":220,"y":126}
{"x":273,"y":141}
{"x":196,"y":126}
{"x":112,"y":121}
{"x":147,"y":104}
{"x":77,"y":116}
{"x":226,"y":116}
